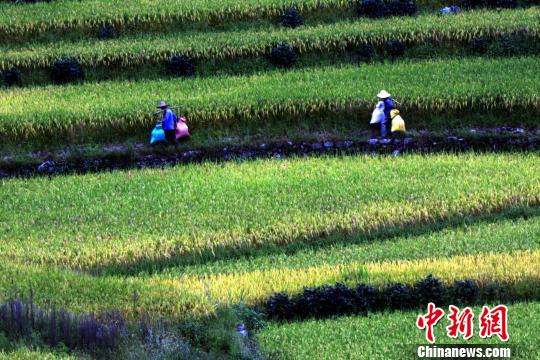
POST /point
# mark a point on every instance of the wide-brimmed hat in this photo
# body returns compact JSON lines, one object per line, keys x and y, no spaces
{"x":162,"y":104}
{"x":383,"y":94}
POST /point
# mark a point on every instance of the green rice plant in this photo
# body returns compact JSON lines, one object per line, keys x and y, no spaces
{"x":211,"y":46}
{"x":424,"y":88}
{"x":23,"y":353}
{"x":80,"y":292}
{"x":151,"y":219}
{"x":387,"y":336}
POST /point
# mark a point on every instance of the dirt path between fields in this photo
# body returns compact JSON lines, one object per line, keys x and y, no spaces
{"x":114,"y":157}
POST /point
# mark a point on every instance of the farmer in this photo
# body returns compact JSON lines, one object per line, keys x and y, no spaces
{"x":381,"y":115}
{"x":169,"y":122}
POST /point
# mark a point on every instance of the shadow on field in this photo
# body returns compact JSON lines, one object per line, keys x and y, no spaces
{"x":209,"y":256}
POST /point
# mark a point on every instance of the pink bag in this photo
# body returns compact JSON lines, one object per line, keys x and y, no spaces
{"x":182,"y":129}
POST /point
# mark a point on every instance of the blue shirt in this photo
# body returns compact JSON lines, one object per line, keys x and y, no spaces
{"x":169,"y":120}
{"x":388,"y":106}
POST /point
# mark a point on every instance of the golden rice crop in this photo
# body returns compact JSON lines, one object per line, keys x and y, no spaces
{"x":187,"y":296}
{"x":256,"y":286}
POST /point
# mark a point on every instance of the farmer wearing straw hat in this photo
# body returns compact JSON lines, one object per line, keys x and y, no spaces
{"x":169,"y":122}
{"x":388,"y":103}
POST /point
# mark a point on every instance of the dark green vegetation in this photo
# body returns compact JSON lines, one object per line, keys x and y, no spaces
{"x":339,"y":299}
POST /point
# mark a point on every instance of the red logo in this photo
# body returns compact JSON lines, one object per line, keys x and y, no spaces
{"x":460,"y":323}
{"x":429,"y":321}
{"x":491,"y":322}
{"x":494,"y":322}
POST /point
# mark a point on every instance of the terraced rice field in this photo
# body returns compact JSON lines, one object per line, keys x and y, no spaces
{"x":151,"y":48}
{"x":69,"y":15}
{"x":118,"y":220}
{"x":186,"y":244}
{"x":87,"y":232}
{"x":427,"y":89}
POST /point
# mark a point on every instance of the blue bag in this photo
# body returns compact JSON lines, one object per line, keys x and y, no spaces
{"x":158,"y":134}
{"x":449,"y":10}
